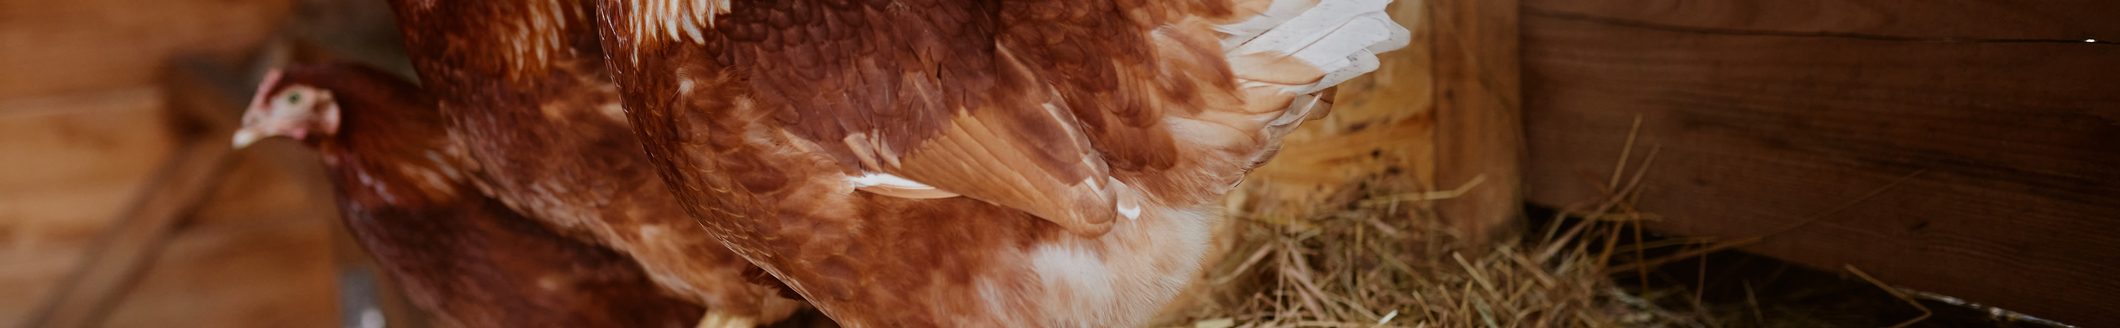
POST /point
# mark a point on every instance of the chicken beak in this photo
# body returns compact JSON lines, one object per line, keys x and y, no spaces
{"x":245,"y":136}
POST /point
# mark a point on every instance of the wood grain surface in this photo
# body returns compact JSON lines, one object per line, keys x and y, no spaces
{"x":1479,"y":123}
{"x":1968,"y":149}
{"x":58,"y":47}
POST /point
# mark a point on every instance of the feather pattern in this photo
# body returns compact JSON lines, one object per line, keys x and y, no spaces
{"x":674,"y":20}
{"x":547,"y":129}
{"x":1051,"y":118}
{"x":406,"y":196}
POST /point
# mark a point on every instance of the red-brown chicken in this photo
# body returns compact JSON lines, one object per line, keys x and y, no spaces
{"x":460,"y":255}
{"x":523,"y":87}
{"x":976,"y":163}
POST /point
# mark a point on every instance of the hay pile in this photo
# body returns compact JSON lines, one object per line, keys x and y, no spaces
{"x":1377,"y":255}
{"x":1382,"y":258}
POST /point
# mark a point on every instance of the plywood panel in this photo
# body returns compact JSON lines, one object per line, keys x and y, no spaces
{"x":1991,"y":161}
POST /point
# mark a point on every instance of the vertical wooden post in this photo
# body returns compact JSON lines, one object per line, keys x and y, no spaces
{"x":1479,"y":127}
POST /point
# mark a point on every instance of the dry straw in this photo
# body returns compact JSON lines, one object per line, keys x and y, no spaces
{"x":1382,"y":258}
{"x":1375,"y":254}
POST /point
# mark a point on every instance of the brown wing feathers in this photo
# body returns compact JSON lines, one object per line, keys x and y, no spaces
{"x":1075,"y":112}
{"x":458,"y":44}
{"x":913,"y":88}
{"x":1025,"y":153}
{"x":1021,"y":147}
{"x":1028,"y":104}
{"x":525,"y":91}
{"x":923,"y":89}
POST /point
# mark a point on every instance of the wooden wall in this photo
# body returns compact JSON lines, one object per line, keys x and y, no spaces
{"x":87,"y":131}
{"x":1959,"y":147}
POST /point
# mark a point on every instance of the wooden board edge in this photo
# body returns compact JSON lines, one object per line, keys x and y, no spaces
{"x":1479,"y":124}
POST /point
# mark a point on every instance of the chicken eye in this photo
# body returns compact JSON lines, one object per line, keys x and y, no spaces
{"x":294,"y":97}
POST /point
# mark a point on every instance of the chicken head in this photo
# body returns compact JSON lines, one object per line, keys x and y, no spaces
{"x":293,"y":110}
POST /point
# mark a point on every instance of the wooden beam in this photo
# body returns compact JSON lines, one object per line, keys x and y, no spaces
{"x":2070,"y":20}
{"x":85,"y":296}
{"x":1479,"y":129}
{"x":1990,"y":153}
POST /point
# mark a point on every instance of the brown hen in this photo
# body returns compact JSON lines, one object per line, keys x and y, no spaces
{"x":523,"y":87}
{"x":976,"y":163}
{"x":458,"y":254}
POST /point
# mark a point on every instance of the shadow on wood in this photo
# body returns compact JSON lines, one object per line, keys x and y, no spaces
{"x":1772,"y":114}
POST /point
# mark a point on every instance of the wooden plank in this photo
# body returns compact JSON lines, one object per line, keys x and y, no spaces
{"x":1479,"y":129}
{"x":2062,"y":20}
{"x":2003,"y":151}
{"x":72,"y":164}
{"x":75,"y":136}
{"x":55,"y":47}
